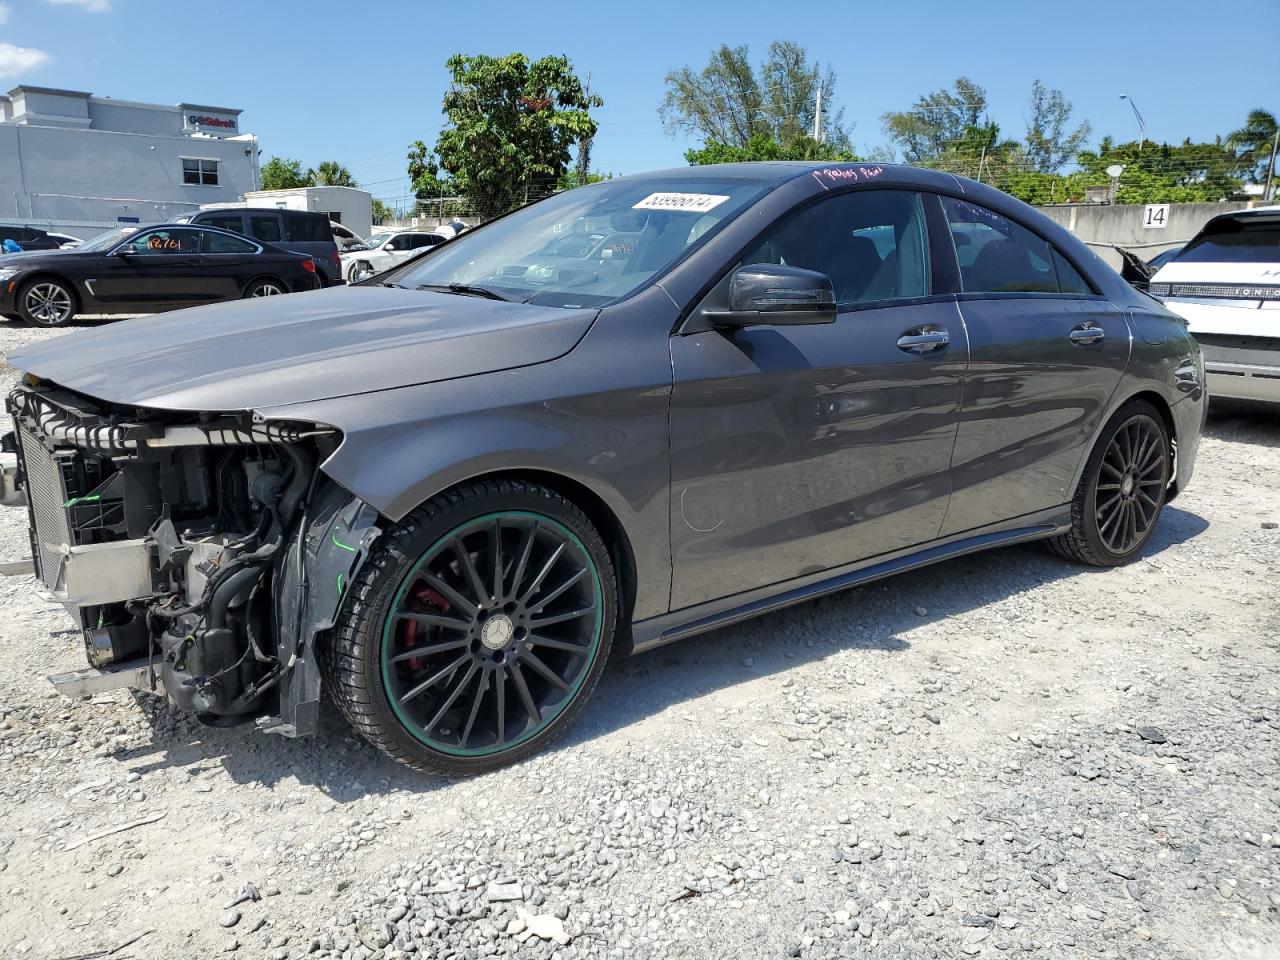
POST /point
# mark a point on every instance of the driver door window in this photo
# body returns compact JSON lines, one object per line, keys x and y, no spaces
{"x":176,"y":242}
{"x":871,"y":243}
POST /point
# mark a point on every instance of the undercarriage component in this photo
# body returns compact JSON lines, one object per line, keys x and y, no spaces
{"x":135,"y":674}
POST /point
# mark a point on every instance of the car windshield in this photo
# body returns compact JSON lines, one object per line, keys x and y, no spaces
{"x":585,"y":247}
{"x":106,"y":240}
{"x":1235,"y":241}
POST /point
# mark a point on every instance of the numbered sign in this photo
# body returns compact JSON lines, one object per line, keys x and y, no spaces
{"x":1156,"y":216}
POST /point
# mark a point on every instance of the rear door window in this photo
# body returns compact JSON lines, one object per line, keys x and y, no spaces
{"x":221,"y":243}
{"x":265,"y":227}
{"x":997,"y":255}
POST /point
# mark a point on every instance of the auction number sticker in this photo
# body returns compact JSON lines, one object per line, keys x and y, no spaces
{"x":687,"y":202}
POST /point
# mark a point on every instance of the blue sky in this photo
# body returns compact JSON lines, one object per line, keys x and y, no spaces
{"x":357,"y":81}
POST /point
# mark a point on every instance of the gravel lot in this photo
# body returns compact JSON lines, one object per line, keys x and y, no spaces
{"x":1004,"y":755}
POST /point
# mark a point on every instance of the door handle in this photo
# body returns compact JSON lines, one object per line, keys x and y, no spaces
{"x":923,"y":341}
{"x":1087,"y":333}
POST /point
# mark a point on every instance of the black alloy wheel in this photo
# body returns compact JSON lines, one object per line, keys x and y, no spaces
{"x":476,"y":629}
{"x":1123,"y":490}
{"x":1129,"y":491}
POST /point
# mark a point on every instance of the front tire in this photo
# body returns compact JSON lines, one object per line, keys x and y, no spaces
{"x":46,"y":302}
{"x":476,"y":630}
{"x":1122,"y":491}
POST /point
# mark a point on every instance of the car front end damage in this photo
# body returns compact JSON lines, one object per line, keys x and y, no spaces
{"x":202,"y":555}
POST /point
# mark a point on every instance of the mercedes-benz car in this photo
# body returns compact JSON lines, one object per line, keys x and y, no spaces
{"x":435,"y":501}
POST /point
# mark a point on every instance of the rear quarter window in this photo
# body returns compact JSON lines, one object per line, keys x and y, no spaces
{"x":306,"y":228}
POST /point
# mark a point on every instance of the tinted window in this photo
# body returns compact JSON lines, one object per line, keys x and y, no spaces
{"x":1235,"y":241}
{"x":997,"y":255}
{"x":226,"y":221}
{"x":307,"y":227}
{"x":221,"y":243}
{"x":265,"y":228}
{"x":182,"y":241}
{"x":870,"y":243}
{"x":1069,"y":279}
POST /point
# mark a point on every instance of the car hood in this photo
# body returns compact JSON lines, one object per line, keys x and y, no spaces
{"x":272,"y":351}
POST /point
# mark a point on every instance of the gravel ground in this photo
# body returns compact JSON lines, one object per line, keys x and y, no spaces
{"x":1004,"y":755}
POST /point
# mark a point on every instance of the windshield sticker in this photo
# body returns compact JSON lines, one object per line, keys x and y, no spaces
{"x":682,"y":202}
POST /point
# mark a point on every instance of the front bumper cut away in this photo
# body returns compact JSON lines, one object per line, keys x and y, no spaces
{"x":100,"y":488}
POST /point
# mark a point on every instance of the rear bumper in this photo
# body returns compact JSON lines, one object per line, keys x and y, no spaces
{"x":1242,"y":368}
{"x":1242,"y":381}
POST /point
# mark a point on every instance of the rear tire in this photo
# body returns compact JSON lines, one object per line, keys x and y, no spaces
{"x":476,"y":629}
{"x":45,"y":302}
{"x":1122,"y":492}
{"x":265,"y":288}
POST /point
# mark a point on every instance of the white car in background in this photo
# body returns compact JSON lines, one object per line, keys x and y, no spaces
{"x":1226,"y":284}
{"x":382,"y":251}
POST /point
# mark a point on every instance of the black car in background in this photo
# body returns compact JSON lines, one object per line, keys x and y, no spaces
{"x":147,"y":270}
{"x":300,"y":230}
{"x":28,"y":238}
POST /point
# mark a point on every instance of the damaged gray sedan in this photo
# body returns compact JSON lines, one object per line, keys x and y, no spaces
{"x":438,"y":499}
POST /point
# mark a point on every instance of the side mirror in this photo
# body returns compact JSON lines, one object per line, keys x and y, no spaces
{"x":122,"y":251}
{"x":770,"y":293}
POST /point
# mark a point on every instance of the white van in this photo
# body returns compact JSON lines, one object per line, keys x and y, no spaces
{"x":1226,"y":285}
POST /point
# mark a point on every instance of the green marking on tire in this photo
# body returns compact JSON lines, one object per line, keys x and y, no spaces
{"x":339,"y":543}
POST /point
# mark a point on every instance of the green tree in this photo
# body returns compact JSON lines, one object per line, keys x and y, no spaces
{"x":1164,"y":173}
{"x":1254,"y":142}
{"x":512,"y":124}
{"x":280,"y":173}
{"x":1049,"y":144}
{"x":330,"y":173}
{"x":761,"y":147}
{"x":728,"y":102}
{"x":381,"y":212}
{"x":937,"y":120}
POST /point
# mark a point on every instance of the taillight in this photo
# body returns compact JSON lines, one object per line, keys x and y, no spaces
{"x":309,"y":266}
{"x":337,"y":260}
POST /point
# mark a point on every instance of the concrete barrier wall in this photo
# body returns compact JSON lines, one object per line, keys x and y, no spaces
{"x":1105,"y":226}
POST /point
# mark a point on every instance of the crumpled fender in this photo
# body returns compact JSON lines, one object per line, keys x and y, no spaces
{"x":322,"y":562}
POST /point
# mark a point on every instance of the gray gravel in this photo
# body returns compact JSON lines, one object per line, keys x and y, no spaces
{"x":1004,"y":755}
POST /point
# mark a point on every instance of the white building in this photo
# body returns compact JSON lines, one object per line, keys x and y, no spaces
{"x":80,"y":164}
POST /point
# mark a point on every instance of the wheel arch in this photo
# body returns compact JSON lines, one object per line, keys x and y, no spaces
{"x":77,"y":298}
{"x":261,"y":278}
{"x":601,"y":515}
{"x":1162,"y":406}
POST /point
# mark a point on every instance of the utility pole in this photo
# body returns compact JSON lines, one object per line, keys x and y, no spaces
{"x":1271,"y":169}
{"x":1142,"y":126}
{"x":817,"y":117}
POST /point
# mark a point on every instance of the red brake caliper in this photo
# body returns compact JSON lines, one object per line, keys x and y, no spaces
{"x":422,"y":600}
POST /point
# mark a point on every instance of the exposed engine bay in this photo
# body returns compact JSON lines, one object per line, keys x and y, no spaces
{"x":202,"y":554}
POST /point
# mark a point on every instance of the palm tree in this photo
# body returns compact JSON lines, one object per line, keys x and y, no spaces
{"x":330,"y":173}
{"x":1254,"y":143}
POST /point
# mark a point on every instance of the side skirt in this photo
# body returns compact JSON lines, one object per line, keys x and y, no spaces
{"x":679,"y":624}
